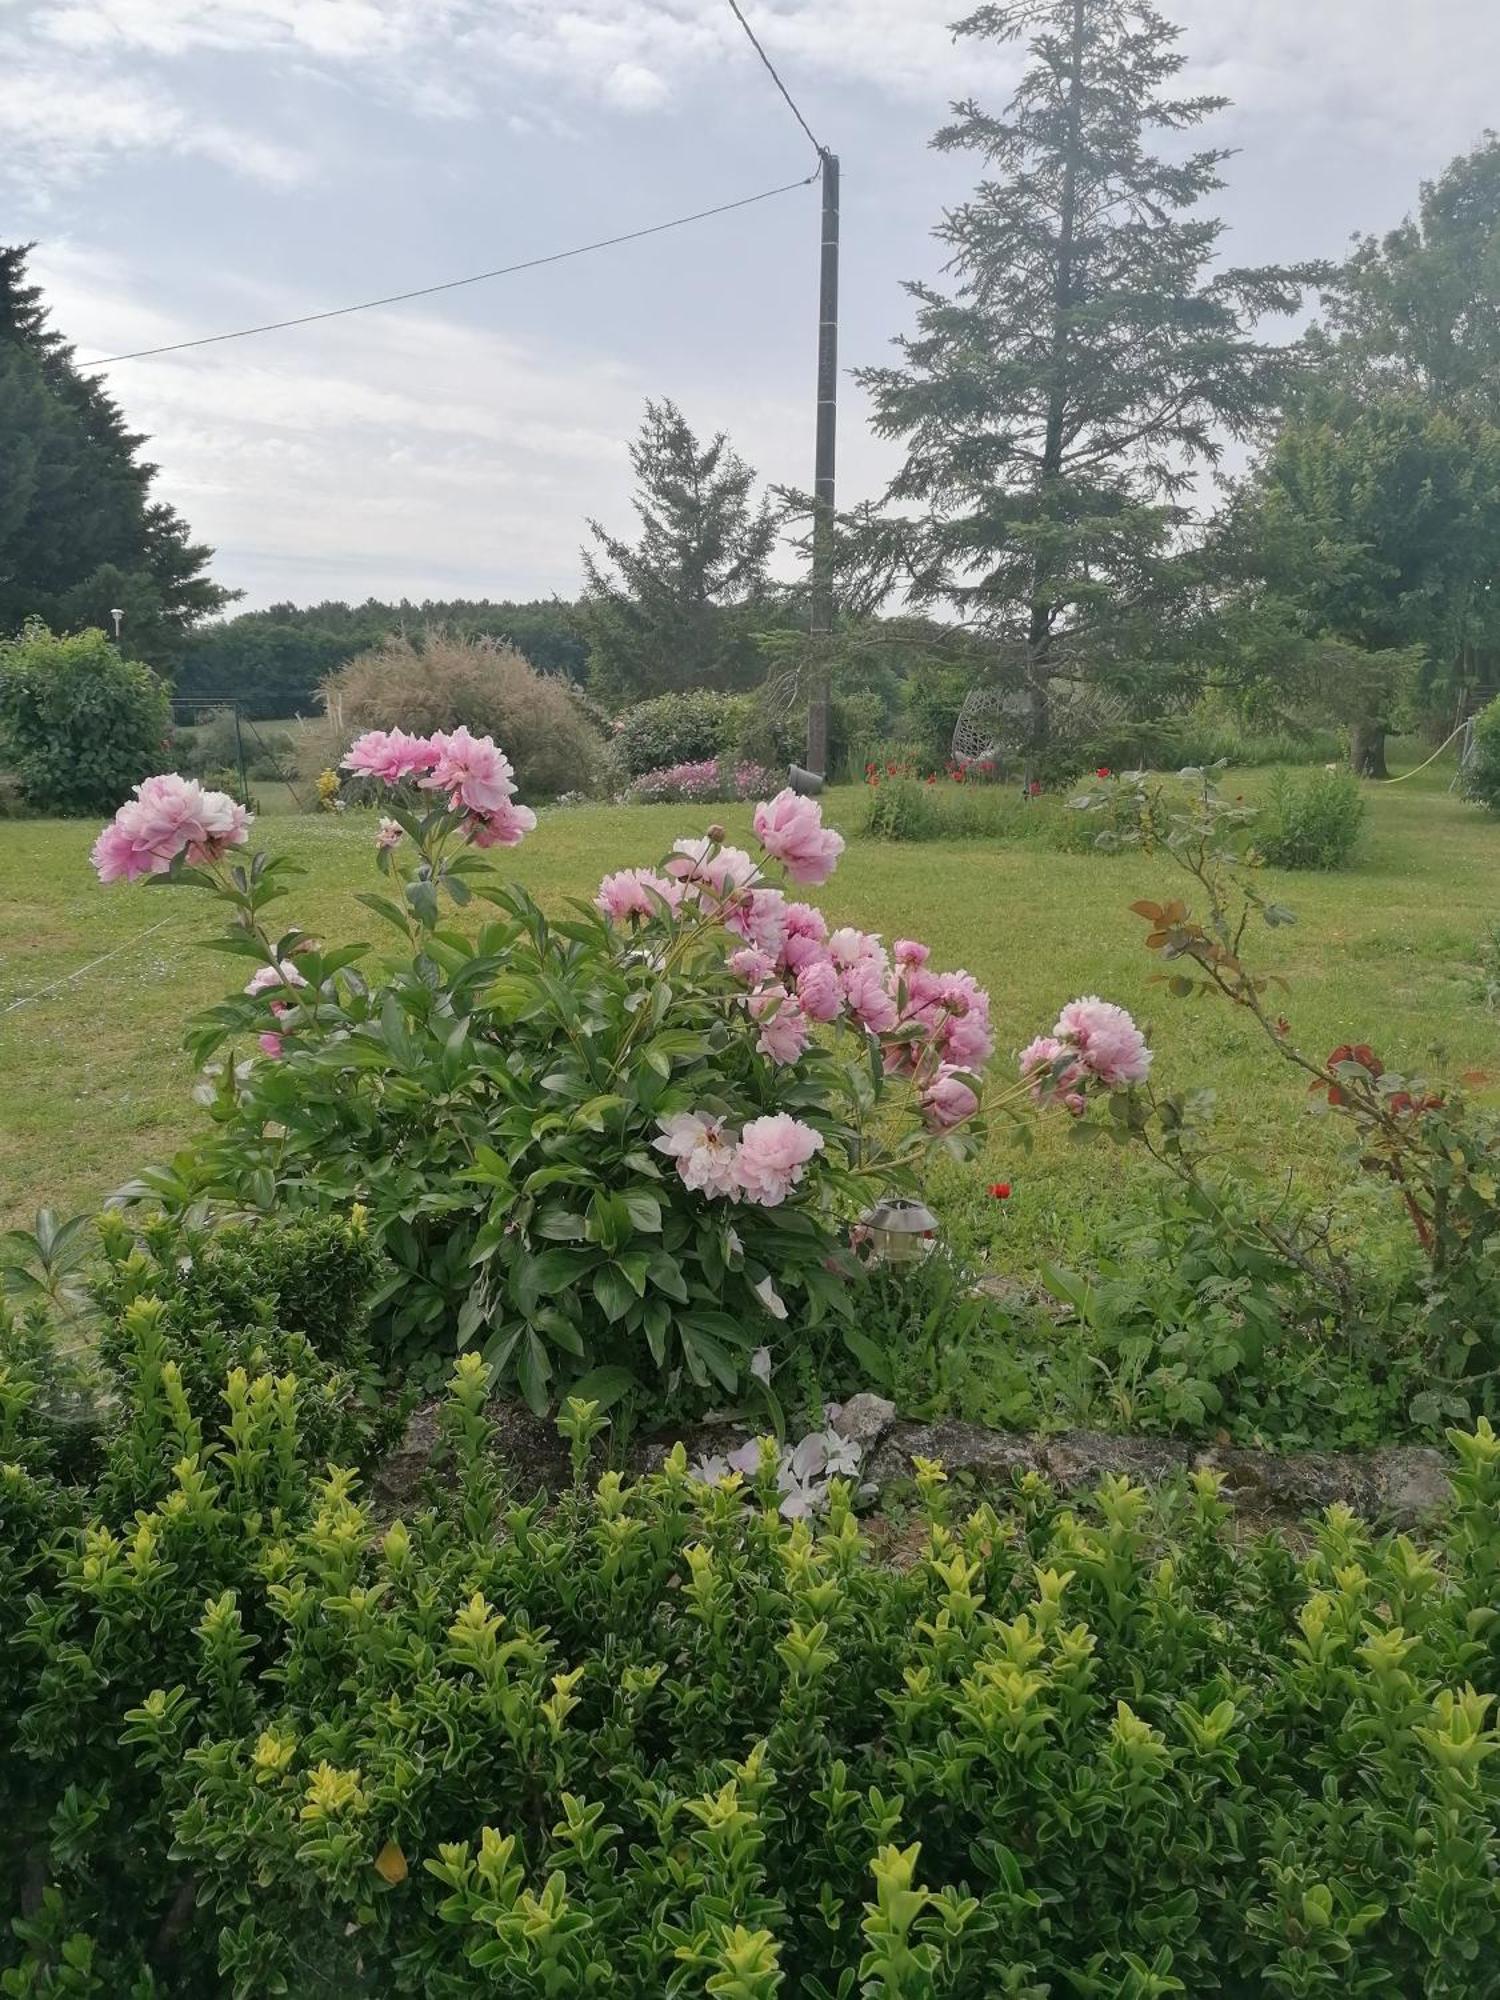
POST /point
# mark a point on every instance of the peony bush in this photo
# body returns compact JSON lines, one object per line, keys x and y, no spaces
{"x":709,"y":779}
{"x":617,"y":1150}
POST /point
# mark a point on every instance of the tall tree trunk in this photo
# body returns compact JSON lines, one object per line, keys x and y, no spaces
{"x":1039,"y":636}
{"x":1367,"y":750}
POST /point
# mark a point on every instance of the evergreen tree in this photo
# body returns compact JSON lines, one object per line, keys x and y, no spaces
{"x":670,"y":611}
{"x":1058,"y":403}
{"x":79,"y":533}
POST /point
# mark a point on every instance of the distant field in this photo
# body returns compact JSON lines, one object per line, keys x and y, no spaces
{"x":94,"y":1084}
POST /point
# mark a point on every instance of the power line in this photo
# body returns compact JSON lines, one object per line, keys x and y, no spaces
{"x":453,"y":284}
{"x":771,"y":69}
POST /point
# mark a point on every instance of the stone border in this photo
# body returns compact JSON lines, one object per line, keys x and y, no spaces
{"x":1402,"y":1485}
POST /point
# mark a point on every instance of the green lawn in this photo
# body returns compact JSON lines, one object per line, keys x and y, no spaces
{"x":94,"y":1083}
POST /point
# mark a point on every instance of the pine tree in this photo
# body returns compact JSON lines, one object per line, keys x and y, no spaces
{"x":669,"y":611}
{"x":79,"y":532}
{"x":1057,"y":405}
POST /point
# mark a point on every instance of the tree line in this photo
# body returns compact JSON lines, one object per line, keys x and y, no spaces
{"x":1060,"y":527}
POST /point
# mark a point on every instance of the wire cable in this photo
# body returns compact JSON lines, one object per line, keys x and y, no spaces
{"x":451,"y":284}
{"x":817,"y":147}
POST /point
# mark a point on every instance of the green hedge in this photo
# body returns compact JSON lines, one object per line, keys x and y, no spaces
{"x":657,"y":1740}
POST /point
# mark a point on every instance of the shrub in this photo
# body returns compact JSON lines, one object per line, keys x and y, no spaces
{"x":79,"y":725}
{"x":1313,"y":819}
{"x":657,"y":1741}
{"x":211,"y":746}
{"x":1482,"y":772}
{"x":716,"y":778}
{"x":690,"y":727}
{"x":901,"y":809}
{"x":441,"y":682}
{"x":609,"y":1142}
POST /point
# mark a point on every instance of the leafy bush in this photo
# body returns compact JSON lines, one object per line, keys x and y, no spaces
{"x":716,"y":778}
{"x":685,"y":728}
{"x":79,"y":725}
{"x":441,"y":682}
{"x":902,"y":809}
{"x":1313,"y":819}
{"x":1194,"y":1318}
{"x":657,"y":1741}
{"x":606,"y":1143}
{"x":1482,"y":772}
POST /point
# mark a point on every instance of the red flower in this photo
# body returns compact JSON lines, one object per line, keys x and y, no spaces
{"x":890,"y":770}
{"x":1102,"y":772}
{"x":1000,"y":1190}
{"x":1035,"y":788}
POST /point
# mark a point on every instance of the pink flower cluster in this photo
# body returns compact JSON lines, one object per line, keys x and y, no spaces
{"x":1092,"y":1041}
{"x":474,"y":772}
{"x":696,"y":783}
{"x":169,"y":816}
{"x":934,"y":1027}
{"x":269,"y":979}
{"x":761,"y":1165}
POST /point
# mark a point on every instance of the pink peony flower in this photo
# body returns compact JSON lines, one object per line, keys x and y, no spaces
{"x":784,"y":1032}
{"x":390,"y":755}
{"x":477,"y":776}
{"x":909,"y":954}
{"x":1052,"y":1078}
{"x":270,"y":1045}
{"x":390,"y":835}
{"x":963,"y":1035}
{"x":759,"y":916}
{"x":168,"y":816}
{"x":751,"y":965}
{"x":635,"y":892}
{"x":806,"y":933}
{"x":772,"y":1157}
{"x":866,"y":997}
{"x":705,"y":1154}
{"x":947,"y":1100}
{"x":1111,"y":1046}
{"x":854,"y":947}
{"x":697,"y":862}
{"x":118,"y":856}
{"x":504,"y":825}
{"x":285,"y":974}
{"x":819,"y":991}
{"x":791,"y":830}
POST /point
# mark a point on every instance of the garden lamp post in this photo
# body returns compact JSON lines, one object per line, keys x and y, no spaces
{"x":119,"y":617}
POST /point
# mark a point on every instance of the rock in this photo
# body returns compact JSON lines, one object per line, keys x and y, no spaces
{"x":865,"y":1419}
{"x":1402,"y":1485}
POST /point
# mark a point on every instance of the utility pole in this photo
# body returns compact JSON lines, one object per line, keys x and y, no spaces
{"x":821,"y":623}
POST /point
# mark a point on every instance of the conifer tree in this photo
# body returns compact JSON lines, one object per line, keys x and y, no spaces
{"x":1088,"y":361}
{"x":668,"y":611}
{"x":80,"y":534}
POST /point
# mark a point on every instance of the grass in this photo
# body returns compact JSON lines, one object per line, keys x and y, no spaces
{"x":94,"y":1083}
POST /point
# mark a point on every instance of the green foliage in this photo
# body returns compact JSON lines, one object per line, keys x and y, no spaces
{"x":493,"y":1099}
{"x":686,"y":727}
{"x":1482,"y":772}
{"x":439,"y":680}
{"x":1313,"y":820}
{"x":274,"y":661}
{"x":1196,"y":1319}
{"x":902,"y":809}
{"x":680,"y":608}
{"x":657,"y":1741}
{"x":80,"y":534}
{"x":213,"y":744}
{"x":1049,"y":427}
{"x":79,"y":724}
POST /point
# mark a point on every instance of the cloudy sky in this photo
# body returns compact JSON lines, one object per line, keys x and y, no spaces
{"x":187,"y":166}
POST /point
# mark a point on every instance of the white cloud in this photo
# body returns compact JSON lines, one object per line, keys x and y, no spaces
{"x":57,"y":123}
{"x":328,"y":463}
{"x":632,"y":87}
